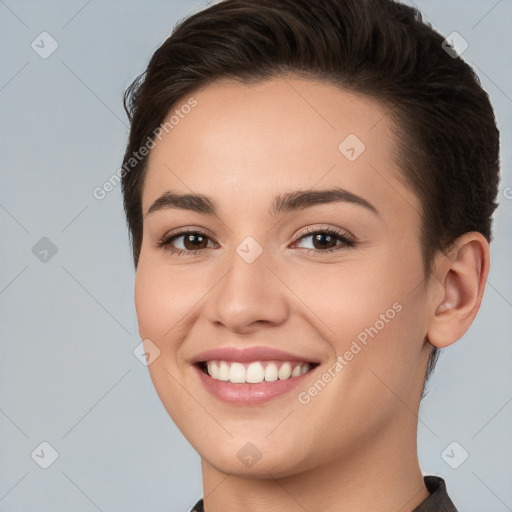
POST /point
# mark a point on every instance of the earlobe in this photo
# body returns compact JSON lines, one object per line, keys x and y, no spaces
{"x":462,"y":273}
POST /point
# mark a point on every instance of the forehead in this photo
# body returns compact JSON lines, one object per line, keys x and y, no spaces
{"x":248,"y":142}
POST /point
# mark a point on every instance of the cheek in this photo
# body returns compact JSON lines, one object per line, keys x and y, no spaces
{"x":148,"y":299}
{"x":162,"y":299}
{"x":357,"y":294}
{"x":375,"y":325}
{"x":372,"y":311}
{"x":163,"y":303}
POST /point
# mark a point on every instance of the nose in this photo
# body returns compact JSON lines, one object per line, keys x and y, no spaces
{"x":249,"y":296}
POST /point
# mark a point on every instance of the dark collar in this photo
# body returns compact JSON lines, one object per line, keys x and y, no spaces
{"x":438,"y":501}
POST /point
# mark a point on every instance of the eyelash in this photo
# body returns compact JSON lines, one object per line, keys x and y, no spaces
{"x":347,"y":241}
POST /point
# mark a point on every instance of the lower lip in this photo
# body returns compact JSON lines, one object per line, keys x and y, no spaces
{"x":245,"y":393}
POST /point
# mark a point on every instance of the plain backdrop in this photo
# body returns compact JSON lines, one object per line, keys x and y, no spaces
{"x":68,"y":374}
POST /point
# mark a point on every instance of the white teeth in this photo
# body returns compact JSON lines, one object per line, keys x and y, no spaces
{"x":285,"y":371}
{"x":255,"y":372}
{"x":237,"y":373}
{"x":223,"y":371}
{"x":271,"y":372}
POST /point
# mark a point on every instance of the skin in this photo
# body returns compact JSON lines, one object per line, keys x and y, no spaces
{"x":353,"y":446}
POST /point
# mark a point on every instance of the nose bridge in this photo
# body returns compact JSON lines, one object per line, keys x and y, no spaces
{"x":248,"y":279}
{"x":248,"y":292}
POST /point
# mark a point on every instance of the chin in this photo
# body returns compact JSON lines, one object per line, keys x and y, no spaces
{"x":243,"y":458}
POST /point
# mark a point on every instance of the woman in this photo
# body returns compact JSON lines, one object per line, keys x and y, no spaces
{"x":309,"y":189}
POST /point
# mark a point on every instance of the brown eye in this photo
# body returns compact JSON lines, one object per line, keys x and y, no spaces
{"x":186,"y":242}
{"x":194,"y":241}
{"x":327,"y":240}
{"x":324,"y":241}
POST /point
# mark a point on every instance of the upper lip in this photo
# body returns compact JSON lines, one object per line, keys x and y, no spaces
{"x":245,"y":355}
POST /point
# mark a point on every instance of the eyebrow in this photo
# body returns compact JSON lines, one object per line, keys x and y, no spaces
{"x":282,"y":204}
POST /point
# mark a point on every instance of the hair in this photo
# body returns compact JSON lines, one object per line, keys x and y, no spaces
{"x":447,"y":141}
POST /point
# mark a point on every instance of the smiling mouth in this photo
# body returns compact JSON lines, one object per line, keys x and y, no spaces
{"x":254,"y":372}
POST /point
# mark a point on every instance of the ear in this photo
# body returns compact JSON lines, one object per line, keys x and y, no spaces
{"x":459,"y":281}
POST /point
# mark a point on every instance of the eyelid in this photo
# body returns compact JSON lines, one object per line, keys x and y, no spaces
{"x":188,"y":229}
{"x":325,"y":228}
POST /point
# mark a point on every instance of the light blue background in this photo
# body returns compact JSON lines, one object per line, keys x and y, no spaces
{"x":68,"y":327}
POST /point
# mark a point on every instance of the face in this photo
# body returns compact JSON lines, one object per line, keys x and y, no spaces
{"x":267,"y":260}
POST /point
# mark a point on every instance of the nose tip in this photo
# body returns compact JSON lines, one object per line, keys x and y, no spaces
{"x":249,"y":295}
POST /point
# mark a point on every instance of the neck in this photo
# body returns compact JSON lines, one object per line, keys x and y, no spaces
{"x":384,"y":474}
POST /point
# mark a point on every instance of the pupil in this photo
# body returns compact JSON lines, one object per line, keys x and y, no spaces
{"x":190,"y":239}
{"x":320,"y":236}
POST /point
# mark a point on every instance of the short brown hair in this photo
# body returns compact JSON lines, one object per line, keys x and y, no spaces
{"x":446,"y":133}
